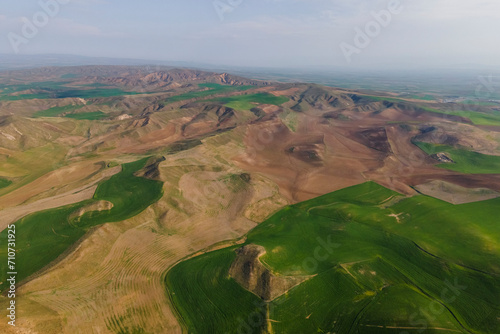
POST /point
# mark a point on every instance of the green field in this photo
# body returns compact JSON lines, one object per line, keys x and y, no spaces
{"x":70,"y":109}
{"x":91,"y":116}
{"x":476,"y":117}
{"x":56,"y":111}
{"x":208,"y":90}
{"x":57,"y":90}
{"x":69,"y":76}
{"x":466,"y":161}
{"x":43,"y":236}
{"x":480,"y":103}
{"x":433,"y":269}
{"x":421,"y":97}
{"x":25,"y":97}
{"x":247,"y":102}
{"x":220,"y":315}
{"x":4,"y":183}
{"x":43,"y":85}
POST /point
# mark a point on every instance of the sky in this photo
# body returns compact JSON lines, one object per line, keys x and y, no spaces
{"x":261,"y":33}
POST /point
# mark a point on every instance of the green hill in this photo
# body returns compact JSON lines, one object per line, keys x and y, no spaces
{"x":377,"y":262}
{"x":43,"y":236}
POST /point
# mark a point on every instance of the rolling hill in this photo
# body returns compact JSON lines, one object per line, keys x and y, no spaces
{"x":165,"y":200}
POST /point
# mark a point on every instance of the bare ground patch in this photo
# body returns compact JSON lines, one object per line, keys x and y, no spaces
{"x":455,"y":194}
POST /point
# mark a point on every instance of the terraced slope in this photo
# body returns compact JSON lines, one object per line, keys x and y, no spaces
{"x":378,"y":262}
{"x":43,"y":236}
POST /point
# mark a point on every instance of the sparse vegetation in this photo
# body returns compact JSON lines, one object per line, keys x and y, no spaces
{"x":291,"y":120}
{"x":183,"y":146}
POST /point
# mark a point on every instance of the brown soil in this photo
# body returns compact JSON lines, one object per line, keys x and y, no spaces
{"x":97,"y":206}
{"x":248,"y":271}
{"x":60,"y":177}
{"x":15,"y":213}
{"x":455,"y":194}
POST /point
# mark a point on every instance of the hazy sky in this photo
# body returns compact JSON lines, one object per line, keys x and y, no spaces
{"x":286,"y":33}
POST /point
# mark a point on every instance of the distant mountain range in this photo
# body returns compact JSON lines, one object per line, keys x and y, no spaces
{"x":451,"y":81}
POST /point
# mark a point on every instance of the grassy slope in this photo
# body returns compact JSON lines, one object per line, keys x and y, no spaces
{"x":210,"y":301}
{"x":478,"y":118}
{"x":422,"y":97}
{"x":90,"y":116}
{"x":6,"y":90}
{"x":4,"y":183}
{"x":43,"y":236}
{"x":213,"y":89}
{"x":247,"y":102}
{"x":57,"y":90}
{"x":93,"y":93}
{"x":375,"y":272}
{"x":33,"y":163}
{"x":56,"y":111}
{"x":467,"y":162}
